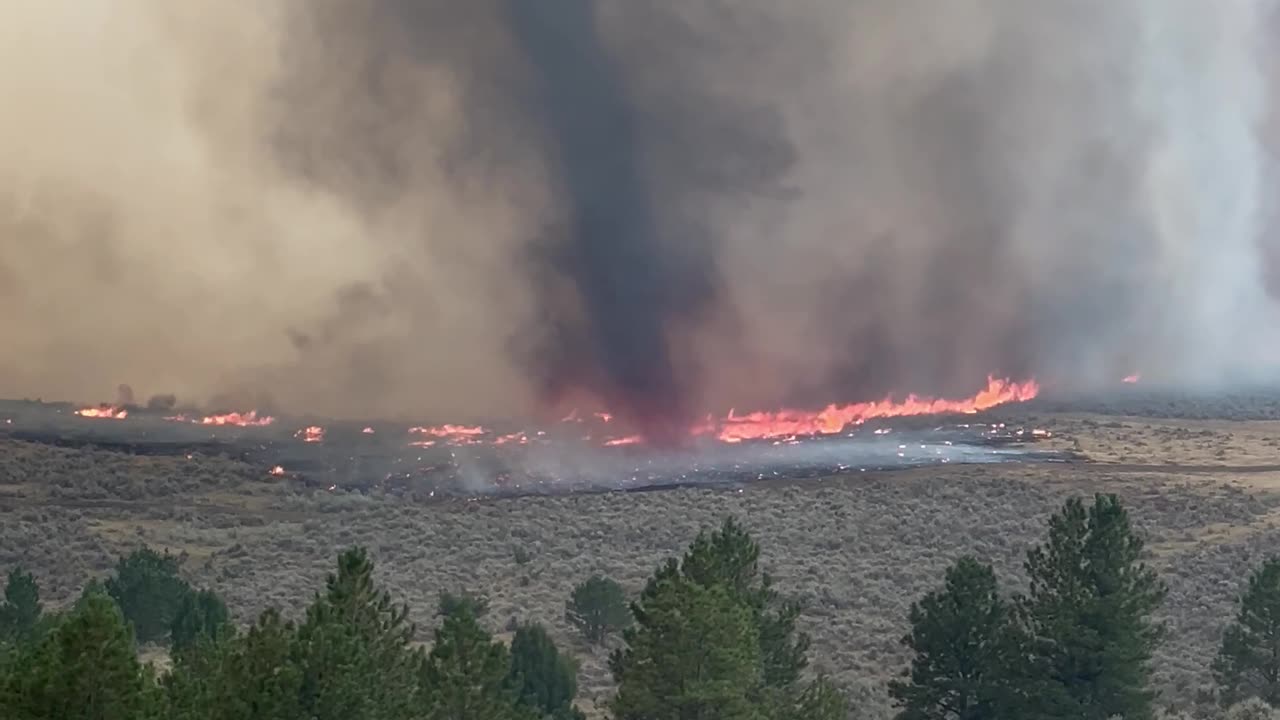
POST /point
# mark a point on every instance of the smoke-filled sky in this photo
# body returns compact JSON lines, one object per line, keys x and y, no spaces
{"x":435,"y":209}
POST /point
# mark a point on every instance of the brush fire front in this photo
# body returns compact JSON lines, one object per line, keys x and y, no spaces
{"x":580,"y":451}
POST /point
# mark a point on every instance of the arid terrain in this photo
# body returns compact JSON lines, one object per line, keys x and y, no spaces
{"x":856,"y":548}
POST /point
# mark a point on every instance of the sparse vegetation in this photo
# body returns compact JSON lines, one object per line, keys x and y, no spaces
{"x":855,"y":550}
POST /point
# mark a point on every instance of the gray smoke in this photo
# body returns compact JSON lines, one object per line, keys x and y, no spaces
{"x":440,"y":209}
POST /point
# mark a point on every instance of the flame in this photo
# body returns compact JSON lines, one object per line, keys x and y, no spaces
{"x":456,"y":434}
{"x":835,"y":418}
{"x":277,"y":470}
{"x":311,"y":434}
{"x":367,"y":431}
{"x":604,"y":416}
{"x":1132,"y":379}
{"x":515,"y":437}
{"x":240,"y":419}
{"x":107,"y":412}
{"x":628,"y":440}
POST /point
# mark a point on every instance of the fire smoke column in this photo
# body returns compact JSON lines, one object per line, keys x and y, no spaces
{"x":611,"y":251}
{"x":1202,"y":90}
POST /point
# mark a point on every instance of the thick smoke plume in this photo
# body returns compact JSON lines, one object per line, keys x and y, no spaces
{"x":503,"y":207}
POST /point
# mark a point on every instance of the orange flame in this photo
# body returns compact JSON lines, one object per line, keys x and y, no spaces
{"x":835,"y":418}
{"x":1132,"y":379}
{"x":277,"y":470}
{"x":311,"y":434}
{"x":456,"y":434}
{"x":515,"y":437}
{"x":249,"y":419}
{"x":367,"y":431}
{"x":107,"y":412}
{"x":628,"y":440}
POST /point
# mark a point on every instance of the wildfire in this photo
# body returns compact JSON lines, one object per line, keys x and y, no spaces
{"x":1132,"y":379}
{"x":367,"y":431}
{"x":835,"y":418}
{"x":277,"y":470}
{"x":311,"y":434}
{"x":515,"y":437}
{"x":250,"y":419}
{"x":456,"y":434}
{"x":107,"y":412}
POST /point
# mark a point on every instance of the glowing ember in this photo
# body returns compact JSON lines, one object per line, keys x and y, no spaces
{"x":515,"y":437}
{"x":367,"y":431}
{"x":835,"y":418}
{"x":235,"y":419}
{"x":277,"y":470}
{"x":107,"y":412}
{"x":606,"y":417}
{"x":628,"y":440}
{"x":422,"y":443}
{"x":312,"y":434}
{"x":1132,"y":379}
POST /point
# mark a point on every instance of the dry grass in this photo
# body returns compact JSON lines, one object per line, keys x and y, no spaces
{"x":857,"y":549}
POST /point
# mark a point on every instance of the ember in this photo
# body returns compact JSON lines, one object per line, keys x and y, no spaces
{"x":277,"y":470}
{"x":107,"y":412}
{"x":367,"y":431}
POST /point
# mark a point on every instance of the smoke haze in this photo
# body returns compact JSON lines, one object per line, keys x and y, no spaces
{"x":433,"y":209}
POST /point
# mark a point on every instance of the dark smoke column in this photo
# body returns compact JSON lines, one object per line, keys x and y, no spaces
{"x":611,"y":253}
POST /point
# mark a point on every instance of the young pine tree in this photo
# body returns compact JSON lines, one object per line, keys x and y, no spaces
{"x":353,"y":649}
{"x":730,"y":558}
{"x":598,"y":608}
{"x":200,"y":616}
{"x":1087,"y":617}
{"x":465,"y":676}
{"x":1248,"y":663}
{"x":21,"y":610}
{"x":694,"y":652}
{"x":253,"y":676}
{"x":959,"y":641}
{"x":544,"y":680}
{"x":84,"y":669}
{"x":148,"y":589}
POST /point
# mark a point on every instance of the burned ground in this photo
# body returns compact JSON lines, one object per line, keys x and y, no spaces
{"x":857,"y":548}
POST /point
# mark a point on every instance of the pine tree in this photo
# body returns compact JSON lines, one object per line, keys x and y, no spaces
{"x":959,"y":641}
{"x":543,"y":679}
{"x":253,"y":676}
{"x":201,"y":615}
{"x":21,"y":610}
{"x":694,"y":652}
{"x":149,"y":590}
{"x":353,"y":649}
{"x":730,"y":558}
{"x":1248,"y":663}
{"x":1087,"y":618}
{"x":465,"y":676}
{"x":85,"y":668}
{"x":598,"y":608}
